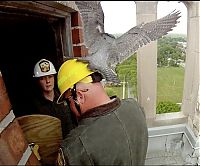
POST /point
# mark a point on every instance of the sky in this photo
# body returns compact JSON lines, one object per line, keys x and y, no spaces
{"x":120,"y":16}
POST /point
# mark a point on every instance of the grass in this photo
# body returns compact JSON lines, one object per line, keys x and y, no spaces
{"x":170,"y":84}
{"x":114,"y":91}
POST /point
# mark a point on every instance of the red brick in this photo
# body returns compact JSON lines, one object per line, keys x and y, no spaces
{"x":13,"y":144}
{"x":76,"y":19}
{"x":33,"y":160}
{"x":5,"y":105}
{"x":77,"y":36}
{"x":80,"y":51}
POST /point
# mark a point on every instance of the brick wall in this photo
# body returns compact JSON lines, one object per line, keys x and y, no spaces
{"x":79,"y":48}
{"x":13,"y":145}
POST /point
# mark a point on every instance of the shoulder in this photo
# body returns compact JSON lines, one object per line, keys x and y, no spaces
{"x":129,"y":100}
{"x":132,"y":104}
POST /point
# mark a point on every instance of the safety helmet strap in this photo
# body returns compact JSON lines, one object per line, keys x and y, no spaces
{"x":74,"y":96}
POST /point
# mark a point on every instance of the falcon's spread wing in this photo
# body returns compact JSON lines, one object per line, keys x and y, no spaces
{"x":93,"y":22}
{"x":105,"y":51}
{"x":141,"y":35}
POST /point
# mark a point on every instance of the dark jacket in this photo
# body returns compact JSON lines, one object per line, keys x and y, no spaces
{"x":62,"y":111}
{"x":112,"y":134}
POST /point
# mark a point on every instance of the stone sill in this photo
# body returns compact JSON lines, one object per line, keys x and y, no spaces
{"x":167,"y":119}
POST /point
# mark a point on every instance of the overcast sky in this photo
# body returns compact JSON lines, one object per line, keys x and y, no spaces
{"x":120,"y":16}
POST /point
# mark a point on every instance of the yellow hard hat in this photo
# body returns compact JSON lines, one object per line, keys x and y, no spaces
{"x":70,"y":73}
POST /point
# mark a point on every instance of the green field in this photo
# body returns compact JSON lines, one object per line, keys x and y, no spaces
{"x":170,"y":84}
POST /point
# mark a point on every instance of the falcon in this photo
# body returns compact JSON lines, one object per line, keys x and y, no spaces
{"x":105,"y":50}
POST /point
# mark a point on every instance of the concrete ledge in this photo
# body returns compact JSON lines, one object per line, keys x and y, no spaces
{"x":194,"y":141}
{"x":175,"y":129}
{"x":167,"y":119}
{"x":166,"y":130}
{"x":172,"y":145}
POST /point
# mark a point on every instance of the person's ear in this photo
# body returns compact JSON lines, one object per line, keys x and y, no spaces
{"x":73,"y":107}
{"x":80,"y":97}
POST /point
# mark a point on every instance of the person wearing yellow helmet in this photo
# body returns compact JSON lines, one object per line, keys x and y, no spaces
{"x":110,"y":131}
{"x":46,"y":95}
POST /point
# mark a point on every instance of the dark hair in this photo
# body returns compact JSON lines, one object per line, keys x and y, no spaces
{"x":96,"y":77}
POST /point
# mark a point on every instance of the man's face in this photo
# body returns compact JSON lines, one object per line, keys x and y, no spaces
{"x":47,"y":82}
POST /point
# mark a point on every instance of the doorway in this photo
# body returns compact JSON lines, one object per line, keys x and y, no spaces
{"x":24,"y":40}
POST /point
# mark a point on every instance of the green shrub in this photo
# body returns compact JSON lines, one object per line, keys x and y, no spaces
{"x":166,"y":107}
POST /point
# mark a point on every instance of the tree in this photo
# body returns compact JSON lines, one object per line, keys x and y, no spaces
{"x":170,"y":51}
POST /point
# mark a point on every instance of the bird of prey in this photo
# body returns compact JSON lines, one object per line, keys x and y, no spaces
{"x":106,"y":51}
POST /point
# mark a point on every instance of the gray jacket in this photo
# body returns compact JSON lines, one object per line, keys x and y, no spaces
{"x":112,"y":134}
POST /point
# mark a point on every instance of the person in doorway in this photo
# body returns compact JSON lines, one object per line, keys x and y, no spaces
{"x":44,"y":100}
{"x":110,"y":131}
